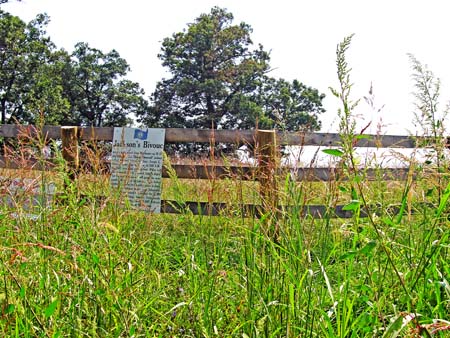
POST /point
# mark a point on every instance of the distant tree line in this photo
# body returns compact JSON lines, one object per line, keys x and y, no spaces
{"x":39,"y":81}
{"x":217,"y":81}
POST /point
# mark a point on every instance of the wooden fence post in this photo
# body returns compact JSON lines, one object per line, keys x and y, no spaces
{"x":70,"y":152}
{"x":267,"y":177}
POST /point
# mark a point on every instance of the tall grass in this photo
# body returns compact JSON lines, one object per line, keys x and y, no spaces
{"x":97,"y":268}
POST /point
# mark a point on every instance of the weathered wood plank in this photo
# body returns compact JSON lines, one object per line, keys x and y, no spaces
{"x":196,"y":208}
{"x":25,"y":163}
{"x":70,"y":149}
{"x":333,"y":140}
{"x":181,"y":135}
{"x":299,"y":174}
{"x":198,"y":171}
{"x":97,"y":133}
{"x":251,"y":210}
{"x":14,"y":131}
{"x":267,"y":155}
{"x":328,"y":174}
{"x":210,"y":171}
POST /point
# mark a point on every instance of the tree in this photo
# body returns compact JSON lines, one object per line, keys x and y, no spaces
{"x":289,"y":106}
{"x":39,"y":82}
{"x":29,"y":80}
{"x":97,"y":91}
{"x":212,"y":68}
{"x":219,"y":82}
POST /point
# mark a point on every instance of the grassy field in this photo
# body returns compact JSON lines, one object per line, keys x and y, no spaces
{"x":98,"y":268}
{"x":88,"y":267}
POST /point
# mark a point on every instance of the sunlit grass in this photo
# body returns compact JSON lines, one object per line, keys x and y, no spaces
{"x":98,"y":268}
{"x":86,"y":264}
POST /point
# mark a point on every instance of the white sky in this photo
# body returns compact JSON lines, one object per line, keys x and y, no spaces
{"x":301,"y":34}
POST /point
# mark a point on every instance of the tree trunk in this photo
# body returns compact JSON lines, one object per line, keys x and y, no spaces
{"x":211,"y":112}
{"x":3,"y":108}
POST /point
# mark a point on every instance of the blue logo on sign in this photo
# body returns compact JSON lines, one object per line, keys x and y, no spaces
{"x":140,"y":134}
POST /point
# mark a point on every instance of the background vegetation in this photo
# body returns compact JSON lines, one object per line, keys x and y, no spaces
{"x":217,"y":81}
{"x":77,"y":265}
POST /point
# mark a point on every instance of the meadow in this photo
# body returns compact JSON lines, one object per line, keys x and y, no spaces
{"x":85,"y":266}
{"x":96,"y":267}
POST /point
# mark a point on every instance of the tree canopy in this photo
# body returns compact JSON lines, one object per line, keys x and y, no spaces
{"x":288,"y":105}
{"x":27,"y":69}
{"x":219,"y":81}
{"x":39,"y":82}
{"x":97,"y":90}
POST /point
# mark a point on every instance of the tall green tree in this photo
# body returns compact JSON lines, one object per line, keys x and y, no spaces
{"x":46,"y":102}
{"x":289,"y":106}
{"x":219,"y":81}
{"x":99,"y":94}
{"x":29,"y":79}
{"x":213,"y":67}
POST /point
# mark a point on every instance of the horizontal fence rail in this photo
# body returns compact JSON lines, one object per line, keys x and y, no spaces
{"x":242,"y":172}
{"x":184,"y":135}
{"x":251,"y":210}
{"x":233,"y":171}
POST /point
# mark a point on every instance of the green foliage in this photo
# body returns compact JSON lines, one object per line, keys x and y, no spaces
{"x":29,"y":71}
{"x":97,"y":91}
{"x":38,"y":81}
{"x":430,"y":120}
{"x":218,"y":81}
{"x":95,"y":267}
{"x":288,"y":106}
{"x":46,"y":97}
{"x":347,"y":123}
{"x":333,"y":152}
{"x":427,"y":87}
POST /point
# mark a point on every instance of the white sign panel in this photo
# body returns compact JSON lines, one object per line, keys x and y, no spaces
{"x":136,"y":166}
{"x":28,"y":194}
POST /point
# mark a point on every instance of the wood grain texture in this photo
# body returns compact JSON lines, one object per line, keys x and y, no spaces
{"x":181,"y":135}
{"x":70,"y":149}
{"x":211,"y":171}
{"x":333,"y":140}
{"x":26,"y":164}
{"x":266,"y":149}
{"x":297,"y":174}
{"x":246,"y":173}
{"x":250,"y":210}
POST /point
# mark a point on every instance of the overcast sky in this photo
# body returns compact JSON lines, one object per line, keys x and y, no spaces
{"x":302,"y":36}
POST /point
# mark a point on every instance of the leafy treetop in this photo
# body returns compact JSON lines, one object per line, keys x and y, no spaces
{"x":218,"y":81}
{"x":39,"y":82}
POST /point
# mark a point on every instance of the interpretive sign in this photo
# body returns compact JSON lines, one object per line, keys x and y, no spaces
{"x":27,"y":196}
{"x":136,"y":166}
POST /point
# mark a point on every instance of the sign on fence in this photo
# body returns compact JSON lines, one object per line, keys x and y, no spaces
{"x":27,"y":196}
{"x":136,"y":166}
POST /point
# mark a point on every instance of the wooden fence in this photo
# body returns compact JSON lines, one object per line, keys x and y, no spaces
{"x":266,"y":144}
